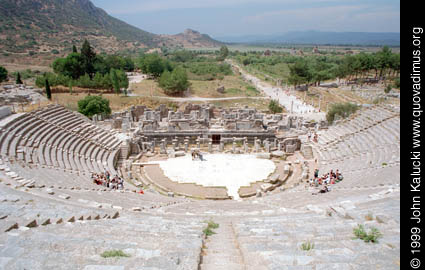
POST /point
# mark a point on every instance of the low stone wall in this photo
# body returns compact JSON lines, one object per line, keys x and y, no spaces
{"x":251,"y":190}
{"x":155,"y":175}
{"x":193,"y":135}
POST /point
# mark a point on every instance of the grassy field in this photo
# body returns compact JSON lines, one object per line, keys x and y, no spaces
{"x":117,"y":103}
{"x":328,"y":96}
{"x":234,"y":87}
{"x":120,"y":103}
{"x":269,"y":73}
{"x":259,"y":104}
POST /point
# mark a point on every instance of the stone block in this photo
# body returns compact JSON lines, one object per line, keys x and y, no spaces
{"x":274,"y":178}
{"x":266,"y":187}
{"x":277,"y":153}
{"x":179,"y":154}
{"x":382,"y":218}
{"x":64,"y":196}
{"x":263,"y":155}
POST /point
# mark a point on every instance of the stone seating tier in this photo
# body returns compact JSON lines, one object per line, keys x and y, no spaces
{"x":48,"y":137}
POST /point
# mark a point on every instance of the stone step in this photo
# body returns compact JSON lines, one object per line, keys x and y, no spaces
{"x":222,"y":259}
{"x":230,"y":266}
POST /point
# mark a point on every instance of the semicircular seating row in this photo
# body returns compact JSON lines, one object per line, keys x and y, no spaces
{"x":54,"y":137}
{"x":363,"y":147}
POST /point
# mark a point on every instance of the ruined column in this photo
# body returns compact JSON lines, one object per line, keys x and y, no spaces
{"x":267,"y":145}
{"x":221,"y":145}
{"x":257,"y":145}
{"x":198,"y":143}
{"x":163,"y":146}
{"x":234,"y":145}
{"x":175,"y":144}
{"x":186,"y":145}
{"x":153,"y":146}
{"x":245,"y":144}
{"x":210,"y":145}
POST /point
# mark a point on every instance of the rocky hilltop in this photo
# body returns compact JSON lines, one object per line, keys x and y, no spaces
{"x":53,"y":26}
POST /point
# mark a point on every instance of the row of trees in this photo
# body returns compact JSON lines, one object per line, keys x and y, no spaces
{"x":314,"y":70}
{"x":173,"y":71}
{"x":115,"y":79}
{"x":86,"y":69}
{"x":383,"y":63}
{"x":172,"y":78}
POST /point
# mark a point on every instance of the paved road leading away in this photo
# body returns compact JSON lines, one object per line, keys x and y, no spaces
{"x":292,"y":104}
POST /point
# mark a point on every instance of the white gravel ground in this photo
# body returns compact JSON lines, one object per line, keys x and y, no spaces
{"x":232,"y":171}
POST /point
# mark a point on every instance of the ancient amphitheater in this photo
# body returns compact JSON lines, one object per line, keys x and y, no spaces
{"x":52,"y":215}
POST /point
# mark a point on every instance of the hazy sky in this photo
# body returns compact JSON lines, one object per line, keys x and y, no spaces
{"x":244,"y":17}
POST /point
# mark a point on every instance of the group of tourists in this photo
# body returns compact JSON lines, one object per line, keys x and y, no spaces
{"x":312,"y":136}
{"x":196,"y":154}
{"x":325,"y":180}
{"x":105,"y":179}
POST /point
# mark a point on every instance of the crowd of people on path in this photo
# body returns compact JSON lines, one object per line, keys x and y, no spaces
{"x":325,"y":180}
{"x":312,"y":136}
{"x":105,"y":179}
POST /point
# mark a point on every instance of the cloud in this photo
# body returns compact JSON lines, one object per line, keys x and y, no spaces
{"x":333,"y":18}
{"x":129,"y":7}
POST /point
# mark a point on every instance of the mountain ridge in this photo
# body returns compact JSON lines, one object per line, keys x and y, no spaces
{"x":55,"y":25}
{"x":319,"y":38}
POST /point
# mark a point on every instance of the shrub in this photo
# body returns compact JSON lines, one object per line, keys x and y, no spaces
{"x":211,"y":225}
{"x":341,"y":109}
{"x":307,"y":246}
{"x":274,"y":107}
{"x":208,"y":232}
{"x":372,"y":236}
{"x":388,"y":88}
{"x":3,"y":74}
{"x":92,"y":105}
{"x":397,"y":83}
{"x":114,"y":253}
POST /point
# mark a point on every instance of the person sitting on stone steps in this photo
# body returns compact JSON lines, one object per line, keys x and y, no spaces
{"x":323,"y":190}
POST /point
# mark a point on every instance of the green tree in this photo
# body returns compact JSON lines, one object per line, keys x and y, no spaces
{"x":174,"y":82}
{"x":92,"y":105}
{"x":299,"y":73}
{"x":72,"y":65}
{"x":224,"y":52}
{"x":74,"y":49}
{"x":18,"y":79}
{"x":384,"y":59}
{"x":115,"y":82}
{"x":70,"y":87}
{"x":88,"y":57}
{"x":48,"y":91}
{"x":274,"y":107}
{"x":3,"y":74}
{"x":154,"y":65}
